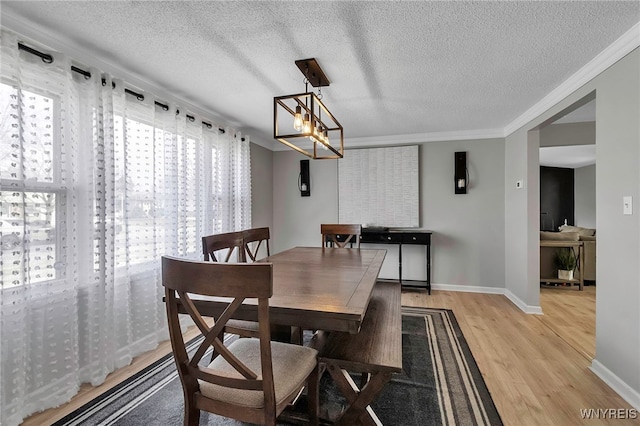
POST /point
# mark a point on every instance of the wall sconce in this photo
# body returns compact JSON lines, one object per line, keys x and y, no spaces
{"x":461,"y":174}
{"x":304,"y":183}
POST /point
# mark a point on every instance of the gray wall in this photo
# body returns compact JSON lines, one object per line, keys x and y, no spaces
{"x":568,"y":134}
{"x":618,"y":158}
{"x":585,"y":196}
{"x":468,"y":247}
{"x":296,"y":219}
{"x":468,"y":244}
{"x":261,"y":187}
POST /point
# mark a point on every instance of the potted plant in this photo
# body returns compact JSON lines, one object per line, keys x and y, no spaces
{"x":565,"y":261}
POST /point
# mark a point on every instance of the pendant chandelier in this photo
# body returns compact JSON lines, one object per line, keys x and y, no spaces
{"x":303,"y":122}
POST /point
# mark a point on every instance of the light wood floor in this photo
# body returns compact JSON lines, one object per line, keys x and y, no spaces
{"x":535,"y":376}
{"x":571,"y":314}
{"x":536,"y":373}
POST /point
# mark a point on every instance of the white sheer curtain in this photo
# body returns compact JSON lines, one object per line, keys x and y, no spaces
{"x":96,"y":185}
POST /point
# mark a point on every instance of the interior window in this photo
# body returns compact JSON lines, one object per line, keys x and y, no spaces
{"x":31,"y":195}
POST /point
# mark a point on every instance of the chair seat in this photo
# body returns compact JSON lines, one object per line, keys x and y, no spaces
{"x":286,"y":379}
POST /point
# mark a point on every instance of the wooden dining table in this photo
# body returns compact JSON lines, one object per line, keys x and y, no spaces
{"x":331,"y":290}
{"x":314,"y":288}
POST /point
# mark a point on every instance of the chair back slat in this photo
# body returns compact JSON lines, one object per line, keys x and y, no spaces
{"x":211,"y":338}
{"x":253,"y":236}
{"x":226,"y":380}
{"x":221,"y":247}
{"x":193,"y":312}
{"x":212,"y":335}
{"x":350,"y":232}
{"x":250,"y":280}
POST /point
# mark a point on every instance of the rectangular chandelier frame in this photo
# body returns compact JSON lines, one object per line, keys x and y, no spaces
{"x":284,"y":111}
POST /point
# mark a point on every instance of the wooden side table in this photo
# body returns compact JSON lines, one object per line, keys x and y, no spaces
{"x":572,"y":245}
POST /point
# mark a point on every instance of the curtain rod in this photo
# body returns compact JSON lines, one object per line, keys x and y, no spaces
{"x":48,"y":59}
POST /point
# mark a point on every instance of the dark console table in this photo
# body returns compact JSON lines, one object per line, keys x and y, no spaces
{"x":400,"y":237}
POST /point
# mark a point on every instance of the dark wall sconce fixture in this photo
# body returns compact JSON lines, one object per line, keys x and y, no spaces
{"x":304,"y":183}
{"x":461,"y":174}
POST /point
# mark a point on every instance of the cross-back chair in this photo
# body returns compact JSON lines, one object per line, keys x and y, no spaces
{"x":220,"y":247}
{"x":213,"y":248}
{"x":252,"y":380}
{"x":333,"y":233}
{"x":253,"y":239}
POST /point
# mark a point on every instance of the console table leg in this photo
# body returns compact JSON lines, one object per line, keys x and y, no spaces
{"x":428,"y":268}
{"x":581,"y":263}
{"x":400,"y":263}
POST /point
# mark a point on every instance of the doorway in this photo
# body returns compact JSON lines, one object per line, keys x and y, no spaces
{"x":568,"y":210}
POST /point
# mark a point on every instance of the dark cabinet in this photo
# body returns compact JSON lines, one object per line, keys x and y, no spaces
{"x":556,"y":197}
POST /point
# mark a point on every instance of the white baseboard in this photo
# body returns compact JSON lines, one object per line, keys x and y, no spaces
{"x":527,"y":309}
{"x":620,"y":387}
{"x":467,"y":288}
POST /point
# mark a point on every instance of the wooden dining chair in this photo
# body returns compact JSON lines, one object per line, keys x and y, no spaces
{"x":333,"y":233}
{"x":220,"y":247}
{"x":252,"y":380}
{"x":253,"y":240}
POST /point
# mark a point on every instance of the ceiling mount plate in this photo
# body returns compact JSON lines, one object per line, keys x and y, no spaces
{"x":311,"y":69}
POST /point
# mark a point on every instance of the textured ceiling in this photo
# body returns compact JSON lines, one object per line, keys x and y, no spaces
{"x":396,"y":68}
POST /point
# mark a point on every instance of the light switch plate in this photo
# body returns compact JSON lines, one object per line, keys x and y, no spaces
{"x":627,"y":205}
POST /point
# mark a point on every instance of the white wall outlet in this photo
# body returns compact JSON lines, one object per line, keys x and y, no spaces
{"x":519,"y":184}
{"x":627,"y":205}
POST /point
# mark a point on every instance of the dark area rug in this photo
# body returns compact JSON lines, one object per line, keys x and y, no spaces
{"x":440,"y":385}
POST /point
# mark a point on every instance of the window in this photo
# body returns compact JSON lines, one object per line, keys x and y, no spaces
{"x":31,"y":195}
{"x":95,"y":186}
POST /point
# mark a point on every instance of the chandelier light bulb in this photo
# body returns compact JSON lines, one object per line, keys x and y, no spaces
{"x":297,"y":119}
{"x":306,"y":124}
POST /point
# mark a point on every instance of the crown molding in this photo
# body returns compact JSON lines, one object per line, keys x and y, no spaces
{"x":612,"y":54}
{"x":423,"y":137}
{"x":391,"y":140}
